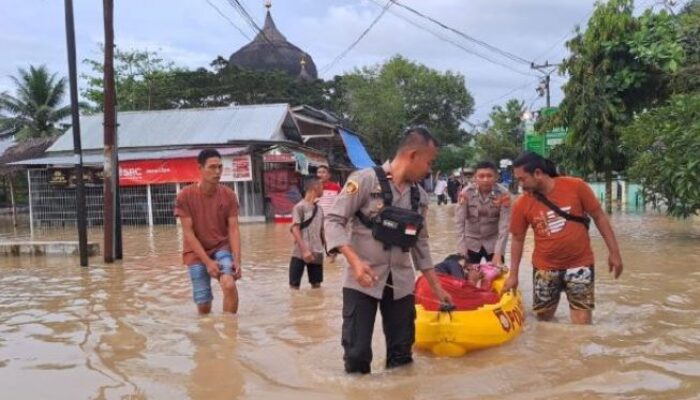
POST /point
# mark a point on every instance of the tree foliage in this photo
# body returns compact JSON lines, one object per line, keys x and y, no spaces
{"x":35,"y":110}
{"x":619,"y":65}
{"x":665,"y":144}
{"x":505,"y":134}
{"x":379,"y":101}
{"x":452,"y":157}
{"x":145,"y":81}
{"x":687,"y":79}
{"x":382,"y":100}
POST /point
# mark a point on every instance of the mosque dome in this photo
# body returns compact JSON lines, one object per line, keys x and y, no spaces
{"x":270,"y":51}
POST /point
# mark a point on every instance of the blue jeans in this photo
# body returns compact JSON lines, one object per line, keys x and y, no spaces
{"x":201,"y":280}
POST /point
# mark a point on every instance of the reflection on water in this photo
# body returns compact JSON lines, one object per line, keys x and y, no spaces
{"x":129,"y":330}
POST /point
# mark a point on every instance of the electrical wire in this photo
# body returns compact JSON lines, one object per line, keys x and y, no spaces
{"x":454,"y":43}
{"x":472,"y":39}
{"x":227,"y":19}
{"x":492,"y":101}
{"x":243,"y":12}
{"x":364,"y":33}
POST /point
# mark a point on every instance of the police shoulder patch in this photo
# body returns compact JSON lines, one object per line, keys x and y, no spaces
{"x":351,"y":187}
{"x":463,"y":198}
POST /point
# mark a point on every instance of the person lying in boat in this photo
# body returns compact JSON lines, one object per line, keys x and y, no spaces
{"x":481,"y":275}
{"x":453,"y":265}
{"x":461,"y":280}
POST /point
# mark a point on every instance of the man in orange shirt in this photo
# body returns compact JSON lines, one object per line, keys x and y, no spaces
{"x":208,"y":212}
{"x":556,"y":208}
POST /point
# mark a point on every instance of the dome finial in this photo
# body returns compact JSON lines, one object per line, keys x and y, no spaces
{"x":268,"y":4}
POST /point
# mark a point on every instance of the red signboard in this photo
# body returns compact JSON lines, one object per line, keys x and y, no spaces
{"x":181,"y":170}
{"x":149,"y":172}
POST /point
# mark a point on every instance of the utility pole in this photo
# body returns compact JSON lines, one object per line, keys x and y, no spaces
{"x":77,"y":146}
{"x":547,"y":70}
{"x":109,"y":133}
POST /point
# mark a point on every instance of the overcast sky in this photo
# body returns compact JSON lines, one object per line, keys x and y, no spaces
{"x":191,"y":33}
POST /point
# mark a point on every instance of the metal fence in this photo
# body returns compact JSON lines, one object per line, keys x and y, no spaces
{"x":55,"y":207}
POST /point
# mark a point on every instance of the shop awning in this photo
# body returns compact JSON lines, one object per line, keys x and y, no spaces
{"x":356,"y":150}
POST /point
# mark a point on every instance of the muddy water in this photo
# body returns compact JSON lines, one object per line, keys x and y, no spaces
{"x":129,"y":330}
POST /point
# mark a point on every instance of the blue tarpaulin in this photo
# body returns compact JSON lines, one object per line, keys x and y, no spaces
{"x":356,"y":151}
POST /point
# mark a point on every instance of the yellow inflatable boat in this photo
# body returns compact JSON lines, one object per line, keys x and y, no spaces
{"x":455,"y":333}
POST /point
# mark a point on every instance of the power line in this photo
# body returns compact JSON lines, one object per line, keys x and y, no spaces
{"x":492,"y":101}
{"x":488,"y":46}
{"x":359,"y":38}
{"x":227,"y":19}
{"x":236,"y":4}
{"x":448,"y":40}
{"x":243,"y":12}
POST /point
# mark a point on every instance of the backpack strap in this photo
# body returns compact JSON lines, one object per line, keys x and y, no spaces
{"x":384,"y":184}
{"x":585,"y":220}
{"x":415,"y":197}
{"x":386,"y":196}
{"x":306,"y":223}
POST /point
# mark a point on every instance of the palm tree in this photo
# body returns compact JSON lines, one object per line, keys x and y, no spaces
{"x":35,"y":110}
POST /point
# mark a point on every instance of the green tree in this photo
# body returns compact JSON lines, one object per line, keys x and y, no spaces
{"x":35,"y":110}
{"x":452,"y":157}
{"x":504,"y":136}
{"x":665,"y":144}
{"x":618,"y":66}
{"x":687,"y":79}
{"x":382,"y":100}
{"x":143,"y":81}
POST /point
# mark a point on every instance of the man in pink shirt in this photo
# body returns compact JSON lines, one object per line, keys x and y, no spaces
{"x":330,"y":189}
{"x":330,"y":192}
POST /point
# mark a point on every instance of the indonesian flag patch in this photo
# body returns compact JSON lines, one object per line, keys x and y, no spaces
{"x":411,"y":230}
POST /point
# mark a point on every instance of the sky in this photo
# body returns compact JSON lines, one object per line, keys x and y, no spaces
{"x":191,"y":33}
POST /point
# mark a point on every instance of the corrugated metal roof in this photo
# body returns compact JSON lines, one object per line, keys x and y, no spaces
{"x":98,"y":159}
{"x":184,"y":127}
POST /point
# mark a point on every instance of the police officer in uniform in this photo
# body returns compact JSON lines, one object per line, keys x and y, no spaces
{"x":385,"y":210}
{"x":483,"y":216}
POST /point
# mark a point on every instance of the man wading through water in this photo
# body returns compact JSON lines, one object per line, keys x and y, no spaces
{"x":386,"y":212}
{"x":556,"y":207}
{"x":208,"y":212}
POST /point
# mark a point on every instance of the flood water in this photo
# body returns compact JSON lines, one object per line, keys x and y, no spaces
{"x":130,"y":330}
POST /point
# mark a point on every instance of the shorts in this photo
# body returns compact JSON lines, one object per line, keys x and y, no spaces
{"x":201,"y":280}
{"x":577,"y":282}
{"x":296,"y":271}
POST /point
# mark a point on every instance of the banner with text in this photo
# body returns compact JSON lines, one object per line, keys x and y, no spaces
{"x":180,"y":170}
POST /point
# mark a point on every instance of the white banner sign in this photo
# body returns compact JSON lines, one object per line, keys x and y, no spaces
{"x":237,"y":168}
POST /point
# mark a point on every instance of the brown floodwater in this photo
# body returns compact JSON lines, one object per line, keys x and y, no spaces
{"x":130,"y":330}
